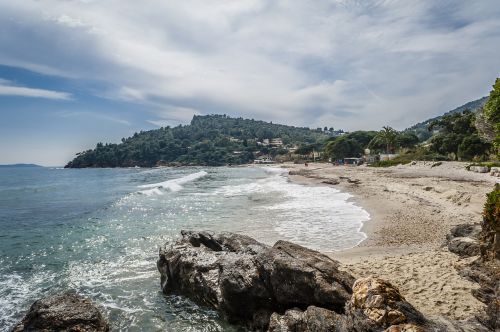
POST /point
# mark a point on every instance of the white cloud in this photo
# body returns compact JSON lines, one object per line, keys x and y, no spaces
{"x":174,"y":116}
{"x":6,"y":89}
{"x":94,"y":115}
{"x":350,"y":64}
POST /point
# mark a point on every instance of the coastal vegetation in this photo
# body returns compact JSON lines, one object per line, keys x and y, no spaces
{"x":458,"y":137}
{"x":208,"y":140}
{"x":492,"y":113}
{"x":468,"y":133}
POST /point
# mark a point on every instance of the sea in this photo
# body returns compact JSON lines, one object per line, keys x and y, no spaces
{"x":98,"y":231}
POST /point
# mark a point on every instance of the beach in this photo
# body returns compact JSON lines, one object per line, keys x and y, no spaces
{"x":412,"y":208}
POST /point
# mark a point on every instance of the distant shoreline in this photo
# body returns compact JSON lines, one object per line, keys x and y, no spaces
{"x":21,"y":166}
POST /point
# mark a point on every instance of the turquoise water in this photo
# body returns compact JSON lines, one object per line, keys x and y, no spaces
{"x":98,"y":231}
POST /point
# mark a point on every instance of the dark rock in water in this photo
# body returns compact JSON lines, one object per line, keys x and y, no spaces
{"x":63,"y":312}
{"x":246,"y":281}
{"x":287,"y":288}
{"x":314,"y":319}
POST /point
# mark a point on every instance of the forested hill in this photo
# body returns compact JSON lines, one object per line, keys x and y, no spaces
{"x":420,"y":129}
{"x":207,"y":140}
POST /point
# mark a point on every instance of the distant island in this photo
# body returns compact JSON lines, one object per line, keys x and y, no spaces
{"x":19,"y":166}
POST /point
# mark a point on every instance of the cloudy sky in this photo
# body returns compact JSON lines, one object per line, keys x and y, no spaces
{"x":75,"y":72}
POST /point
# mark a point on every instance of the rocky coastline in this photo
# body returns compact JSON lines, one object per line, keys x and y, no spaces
{"x":286,"y":287}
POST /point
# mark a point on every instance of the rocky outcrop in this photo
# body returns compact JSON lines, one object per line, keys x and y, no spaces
{"x":285,"y":287}
{"x":313,"y":319}
{"x":376,"y":304}
{"x":463,"y":240}
{"x":485,"y":270}
{"x":63,"y":312}
{"x":246,"y":281}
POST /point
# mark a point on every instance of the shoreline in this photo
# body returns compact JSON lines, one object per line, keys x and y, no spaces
{"x":412,"y":208}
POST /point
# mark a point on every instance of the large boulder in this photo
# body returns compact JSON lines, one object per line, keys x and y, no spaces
{"x":63,"y":312}
{"x":246,"y":281}
{"x":377,"y":305}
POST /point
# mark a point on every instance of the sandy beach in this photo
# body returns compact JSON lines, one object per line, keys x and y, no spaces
{"x":412,"y":208}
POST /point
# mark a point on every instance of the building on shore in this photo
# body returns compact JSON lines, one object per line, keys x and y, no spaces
{"x":264,"y":160}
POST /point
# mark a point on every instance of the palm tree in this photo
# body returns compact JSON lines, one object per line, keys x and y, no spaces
{"x":388,"y":136}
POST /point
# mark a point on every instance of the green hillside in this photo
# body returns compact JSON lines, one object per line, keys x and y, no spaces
{"x":207,"y":140}
{"x":420,"y":129}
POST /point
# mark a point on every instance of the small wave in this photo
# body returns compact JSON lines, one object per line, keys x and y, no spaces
{"x":172,"y":185}
{"x":274,"y":170}
{"x":151,"y":192}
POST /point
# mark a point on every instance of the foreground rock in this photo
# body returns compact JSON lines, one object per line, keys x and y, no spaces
{"x":246,"y":281}
{"x":311,"y":320}
{"x":285,"y":288}
{"x":375,"y":305}
{"x":463,"y":240}
{"x":63,"y":312}
{"x":378,"y":304}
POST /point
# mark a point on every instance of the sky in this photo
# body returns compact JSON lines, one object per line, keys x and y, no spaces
{"x":77,"y":72}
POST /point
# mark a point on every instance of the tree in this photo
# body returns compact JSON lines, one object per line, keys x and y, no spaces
{"x":388,"y":136}
{"x":458,"y":136}
{"x":343,"y":147}
{"x":406,"y":140}
{"x":492,"y":106}
{"x":472,"y":147}
{"x":492,"y":112}
{"x":362,"y":137}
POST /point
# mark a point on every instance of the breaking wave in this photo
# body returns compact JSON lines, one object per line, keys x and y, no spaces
{"x":172,"y":185}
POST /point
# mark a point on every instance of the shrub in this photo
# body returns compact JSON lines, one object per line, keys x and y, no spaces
{"x":490,"y":234}
{"x":389,"y":163}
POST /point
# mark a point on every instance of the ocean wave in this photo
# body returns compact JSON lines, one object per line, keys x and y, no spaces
{"x":318,"y":217}
{"x":151,"y":192}
{"x":172,"y":185}
{"x":17,"y":291}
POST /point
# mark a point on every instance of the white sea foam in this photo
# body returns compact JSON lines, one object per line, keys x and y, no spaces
{"x":274,"y":170}
{"x":319,"y":217}
{"x":16,"y":292}
{"x":172,"y":185}
{"x":151,"y":192}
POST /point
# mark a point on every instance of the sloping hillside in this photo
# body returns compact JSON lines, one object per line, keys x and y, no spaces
{"x":207,"y":140}
{"x":420,"y":129}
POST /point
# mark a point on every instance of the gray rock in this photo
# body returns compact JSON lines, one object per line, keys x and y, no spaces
{"x":465,"y":230}
{"x":314,"y":319}
{"x":63,"y":312}
{"x":464,"y":246}
{"x":246,"y":281}
{"x":463,"y":240}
